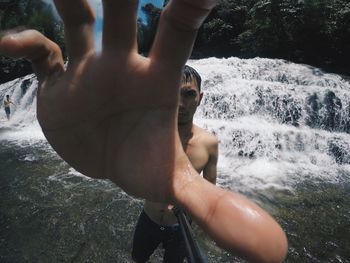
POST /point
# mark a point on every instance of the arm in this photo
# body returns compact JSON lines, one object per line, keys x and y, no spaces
{"x":249,"y":230}
{"x":235,"y":223}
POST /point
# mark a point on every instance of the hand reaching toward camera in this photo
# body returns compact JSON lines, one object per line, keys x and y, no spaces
{"x":114,"y":115}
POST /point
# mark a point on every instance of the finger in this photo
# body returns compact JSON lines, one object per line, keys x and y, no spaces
{"x":234,"y":222}
{"x":119,"y":25}
{"x":45,"y":55}
{"x":78,"y":19}
{"x":177,"y":30}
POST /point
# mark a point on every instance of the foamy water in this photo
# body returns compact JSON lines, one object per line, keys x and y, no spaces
{"x":258,"y":110}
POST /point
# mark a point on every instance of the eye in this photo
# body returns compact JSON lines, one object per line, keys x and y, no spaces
{"x":190,"y":93}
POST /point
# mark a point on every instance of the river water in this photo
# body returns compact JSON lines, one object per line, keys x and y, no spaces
{"x":284,"y":142}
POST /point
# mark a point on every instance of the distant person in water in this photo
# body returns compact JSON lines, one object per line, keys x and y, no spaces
{"x":157,"y":223}
{"x":7,"y":103}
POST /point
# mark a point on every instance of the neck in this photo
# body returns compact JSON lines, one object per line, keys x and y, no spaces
{"x":185,"y":131}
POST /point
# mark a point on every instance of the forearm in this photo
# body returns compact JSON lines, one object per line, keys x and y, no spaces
{"x":234,"y":222}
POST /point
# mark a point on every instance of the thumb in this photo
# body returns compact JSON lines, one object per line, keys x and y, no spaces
{"x":45,"y":55}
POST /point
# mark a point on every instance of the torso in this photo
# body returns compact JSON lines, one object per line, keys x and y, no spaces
{"x":7,"y":103}
{"x":197,"y":152}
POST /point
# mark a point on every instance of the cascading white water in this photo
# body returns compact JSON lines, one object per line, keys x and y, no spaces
{"x":23,"y":123}
{"x":277,"y":122}
{"x":271,"y":133}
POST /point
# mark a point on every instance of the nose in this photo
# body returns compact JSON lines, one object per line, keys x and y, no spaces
{"x":181,"y":109}
{"x":181,"y":103}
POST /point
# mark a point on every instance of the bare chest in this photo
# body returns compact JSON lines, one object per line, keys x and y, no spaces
{"x":198,"y":155}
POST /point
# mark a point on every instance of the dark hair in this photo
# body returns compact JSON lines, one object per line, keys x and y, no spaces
{"x":190,"y":74}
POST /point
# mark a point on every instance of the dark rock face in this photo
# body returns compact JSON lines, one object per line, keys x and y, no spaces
{"x":328,"y":114}
{"x":12,"y":69}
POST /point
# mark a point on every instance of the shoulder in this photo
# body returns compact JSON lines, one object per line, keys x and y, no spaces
{"x":206,"y":138}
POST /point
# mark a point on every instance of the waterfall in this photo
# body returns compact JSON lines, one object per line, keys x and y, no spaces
{"x":23,"y":122}
{"x":277,"y":122}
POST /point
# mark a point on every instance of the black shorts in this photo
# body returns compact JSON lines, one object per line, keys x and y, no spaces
{"x":7,"y":110}
{"x":148,"y":235}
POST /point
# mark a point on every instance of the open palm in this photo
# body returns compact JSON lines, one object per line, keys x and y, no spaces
{"x":114,"y":115}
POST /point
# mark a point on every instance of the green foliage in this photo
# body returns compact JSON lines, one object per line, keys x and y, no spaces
{"x":307,"y":31}
{"x":216,"y":29}
{"x":218,"y":36}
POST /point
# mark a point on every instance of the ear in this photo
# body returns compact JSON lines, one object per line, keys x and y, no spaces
{"x":200,"y":98}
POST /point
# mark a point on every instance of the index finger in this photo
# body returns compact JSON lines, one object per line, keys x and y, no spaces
{"x":78,"y":18}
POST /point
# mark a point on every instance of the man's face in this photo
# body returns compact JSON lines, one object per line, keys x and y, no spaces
{"x":190,"y":98}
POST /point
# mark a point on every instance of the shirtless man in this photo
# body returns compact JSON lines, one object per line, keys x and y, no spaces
{"x":7,"y":103}
{"x":130,"y":134}
{"x":157,"y":223}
